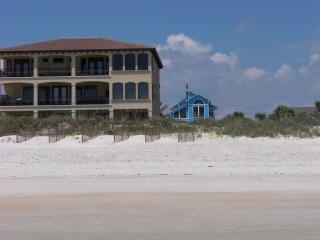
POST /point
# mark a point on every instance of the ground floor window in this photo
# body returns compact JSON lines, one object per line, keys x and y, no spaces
{"x":198,"y":111}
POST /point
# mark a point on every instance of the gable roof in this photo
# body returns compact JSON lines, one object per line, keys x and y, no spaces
{"x":81,"y":44}
{"x":305,"y":109}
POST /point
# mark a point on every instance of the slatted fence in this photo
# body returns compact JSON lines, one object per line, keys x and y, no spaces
{"x":185,"y":135}
{"x":56,"y":134}
{"x":89,"y":133}
{"x":121,"y":134}
{"x":152,"y":134}
{"x":25,"y":135}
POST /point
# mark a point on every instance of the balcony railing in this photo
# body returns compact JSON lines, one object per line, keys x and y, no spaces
{"x":5,"y":100}
{"x":11,"y":73}
{"x":44,"y":72}
{"x":54,"y":72}
{"x":84,"y":71}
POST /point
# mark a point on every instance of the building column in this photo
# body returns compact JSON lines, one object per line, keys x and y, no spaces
{"x":110,"y":92}
{"x":35,"y":94}
{"x":35,"y":66}
{"x":73,"y":94}
{"x":35,"y":114}
{"x":111,"y":116}
{"x":73,"y":65}
{"x":73,"y":114}
{"x":149,"y":113}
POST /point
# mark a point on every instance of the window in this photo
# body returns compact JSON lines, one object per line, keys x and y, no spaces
{"x":130,"y":91}
{"x":9,"y":65}
{"x":43,"y":95}
{"x":90,"y":92}
{"x":183,"y":113}
{"x":45,"y":60}
{"x":198,"y":112}
{"x":83,"y":65}
{"x":28,"y":93}
{"x":117,"y":91}
{"x":57,"y":60}
{"x":142,"y":61}
{"x":95,"y":66}
{"x":143,"y":90}
{"x":176,"y":114}
{"x":117,"y":62}
{"x":198,"y":101}
{"x":78,"y":92}
{"x":107,"y":66}
{"x":130,"y":62}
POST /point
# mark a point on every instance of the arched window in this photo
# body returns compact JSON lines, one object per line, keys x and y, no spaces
{"x":198,"y":101}
{"x":117,"y":91}
{"x":130,"y":90}
{"x":130,"y":61}
{"x":117,"y":62}
{"x":142,"y":61}
{"x":143,"y":90}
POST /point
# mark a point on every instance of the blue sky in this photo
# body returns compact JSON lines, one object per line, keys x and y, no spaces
{"x":246,"y":55}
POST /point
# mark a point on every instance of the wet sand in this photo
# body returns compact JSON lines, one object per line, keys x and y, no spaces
{"x":281,"y":211}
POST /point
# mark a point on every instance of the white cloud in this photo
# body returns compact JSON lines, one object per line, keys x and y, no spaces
{"x":167,"y":62}
{"x":285,"y":73}
{"x":304,"y":70}
{"x":313,"y":58}
{"x":254,"y":73}
{"x":241,"y":27}
{"x":185,"y":45}
{"x":232,"y":59}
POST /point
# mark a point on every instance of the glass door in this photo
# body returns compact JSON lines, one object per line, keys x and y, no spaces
{"x":60,"y":95}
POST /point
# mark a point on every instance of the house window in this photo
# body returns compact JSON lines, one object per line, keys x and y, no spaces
{"x":78,"y":92}
{"x":176,"y":114}
{"x":57,"y":60}
{"x":107,"y":65}
{"x":83,"y":65}
{"x":43,"y":94}
{"x":142,"y":61}
{"x":130,"y":62}
{"x":90,"y":92}
{"x":198,"y":101}
{"x":117,"y":91}
{"x":198,"y":112}
{"x":143,"y":90}
{"x":95,"y":66}
{"x":183,"y":113}
{"x":28,"y":93}
{"x":117,"y":62}
{"x":9,"y":65}
{"x":45,"y":60}
{"x":130,"y":91}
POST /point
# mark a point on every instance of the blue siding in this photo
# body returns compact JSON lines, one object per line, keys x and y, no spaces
{"x":189,"y":103}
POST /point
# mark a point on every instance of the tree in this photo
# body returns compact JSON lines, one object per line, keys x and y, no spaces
{"x":238,"y":115}
{"x":317,"y":103}
{"x":283,"y":111}
{"x":260,"y":116}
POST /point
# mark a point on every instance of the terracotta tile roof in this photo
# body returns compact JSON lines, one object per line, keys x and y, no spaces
{"x":74,"y":44}
{"x":81,"y":44}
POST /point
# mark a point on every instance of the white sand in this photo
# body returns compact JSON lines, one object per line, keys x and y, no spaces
{"x":165,"y":178}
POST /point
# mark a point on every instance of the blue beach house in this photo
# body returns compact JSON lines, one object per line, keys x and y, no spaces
{"x":193,"y":107}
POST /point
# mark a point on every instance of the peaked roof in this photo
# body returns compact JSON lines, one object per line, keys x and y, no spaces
{"x":81,"y":44}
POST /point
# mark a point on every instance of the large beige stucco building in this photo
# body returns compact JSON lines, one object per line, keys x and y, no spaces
{"x":78,"y":76}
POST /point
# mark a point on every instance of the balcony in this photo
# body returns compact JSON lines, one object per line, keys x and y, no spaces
{"x":5,"y":100}
{"x":47,"y":72}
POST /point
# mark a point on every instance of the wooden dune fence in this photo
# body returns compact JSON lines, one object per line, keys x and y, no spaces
{"x":121,"y":135}
{"x":25,"y":135}
{"x":185,"y":135}
{"x":56,"y":134}
{"x":152,"y":134}
{"x":89,"y":133}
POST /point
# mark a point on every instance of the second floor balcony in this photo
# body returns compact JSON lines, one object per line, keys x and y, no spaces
{"x":47,"y":72}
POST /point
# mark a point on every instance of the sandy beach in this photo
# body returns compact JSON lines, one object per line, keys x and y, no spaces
{"x":213,"y":188}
